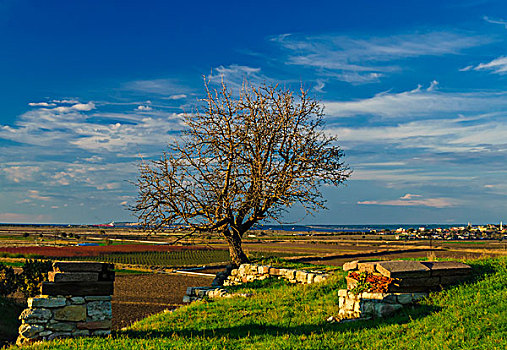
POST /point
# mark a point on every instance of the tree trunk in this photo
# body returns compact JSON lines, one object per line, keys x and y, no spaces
{"x":236,"y":252}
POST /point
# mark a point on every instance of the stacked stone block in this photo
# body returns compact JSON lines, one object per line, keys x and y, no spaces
{"x":372,"y":305}
{"x":412,"y":282}
{"x":413,"y":276}
{"x":76,"y":301}
{"x":251,"y":272}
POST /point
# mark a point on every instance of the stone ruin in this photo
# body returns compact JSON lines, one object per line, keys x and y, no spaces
{"x":248,"y":273}
{"x":75,"y":302}
{"x":403,"y":283}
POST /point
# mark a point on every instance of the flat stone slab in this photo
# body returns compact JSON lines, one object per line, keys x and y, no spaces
{"x":77,"y":288}
{"x":403,"y":269}
{"x":73,"y":276}
{"x":447,"y":268}
{"x":81,"y":266}
{"x":368,"y":266}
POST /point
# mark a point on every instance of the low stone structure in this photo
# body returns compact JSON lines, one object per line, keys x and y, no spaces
{"x":373,"y":305}
{"x":75,"y":302}
{"x":411,"y":281}
{"x":413,"y":276}
{"x":251,"y":272}
{"x":248,"y":273}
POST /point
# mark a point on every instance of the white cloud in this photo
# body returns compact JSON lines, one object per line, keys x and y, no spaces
{"x":41,"y":104}
{"x":144,"y":108}
{"x":81,"y":107}
{"x":67,"y":101}
{"x":19,"y":173}
{"x":68,"y":127}
{"x":418,"y":102}
{"x":362,"y":60}
{"x":177,"y":97}
{"x":23,"y":218}
{"x":235,"y":75}
{"x":433,"y":86}
{"x":496,"y":21}
{"x":409,"y":201}
{"x":156,"y":86}
{"x":410,"y":196}
{"x":496,"y":66}
{"x":34,"y":194}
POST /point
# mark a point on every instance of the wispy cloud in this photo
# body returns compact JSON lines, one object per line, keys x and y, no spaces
{"x":235,"y":75}
{"x":496,"y":66}
{"x":23,"y":218}
{"x":495,"y":21}
{"x":418,"y":102}
{"x":41,"y":104}
{"x":410,"y":200}
{"x":361,"y":60}
{"x":164,"y":87}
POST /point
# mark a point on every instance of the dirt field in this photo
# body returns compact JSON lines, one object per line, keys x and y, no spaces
{"x":139,"y":295}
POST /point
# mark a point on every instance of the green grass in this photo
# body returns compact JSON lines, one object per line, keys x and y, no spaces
{"x":285,"y":316}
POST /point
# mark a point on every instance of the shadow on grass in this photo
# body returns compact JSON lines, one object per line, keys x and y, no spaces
{"x":10,"y":310}
{"x":259,"y":329}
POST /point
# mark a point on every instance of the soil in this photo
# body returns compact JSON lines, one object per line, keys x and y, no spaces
{"x":137,"y":296}
{"x":423,"y":253}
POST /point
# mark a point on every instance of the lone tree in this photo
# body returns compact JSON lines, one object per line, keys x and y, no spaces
{"x":239,"y":161}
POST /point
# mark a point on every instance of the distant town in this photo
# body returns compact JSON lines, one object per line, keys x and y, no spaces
{"x":468,"y":232}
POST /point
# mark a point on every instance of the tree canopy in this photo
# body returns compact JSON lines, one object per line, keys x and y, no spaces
{"x":241,"y":159}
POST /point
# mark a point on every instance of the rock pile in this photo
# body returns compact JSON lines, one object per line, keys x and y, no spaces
{"x":250,"y":272}
{"x":413,"y":276}
{"x":411,"y":281}
{"x":75,"y":302}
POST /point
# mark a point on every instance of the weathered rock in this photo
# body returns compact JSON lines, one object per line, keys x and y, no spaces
{"x":61,"y":326}
{"x":403,"y":269}
{"x":77,"y":288}
{"x":46,"y":302}
{"x":447,"y":268}
{"x":351,"y":265}
{"x":101,"y":297}
{"x":367,"y":266}
{"x":405,"y":298}
{"x":59,"y":335}
{"x":99,"y":310}
{"x":73,"y":276}
{"x":319,"y":278}
{"x":81,"y":266}
{"x":77,"y":300}
{"x":383,"y":310}
{"x":71,"y":313}
{"x":93,"y":325}
{"x":80,"y":333}
{"x":39,"y":315}
{"x":30,"y":330}
{"x":301,"y":276}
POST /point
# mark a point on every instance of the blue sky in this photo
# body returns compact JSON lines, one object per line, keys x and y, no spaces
{"x":415,"y":90}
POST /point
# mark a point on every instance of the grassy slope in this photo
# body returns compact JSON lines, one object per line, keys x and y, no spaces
{"x":281,"y":316}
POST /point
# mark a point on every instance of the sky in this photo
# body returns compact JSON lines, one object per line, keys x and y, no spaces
{"x":414,"y":90}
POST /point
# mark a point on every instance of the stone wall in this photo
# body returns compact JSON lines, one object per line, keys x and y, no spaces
{"x":75,"y":302}
{"x":373,"y":305}
{"x":250,"y":272}
{"x":410,"y":282}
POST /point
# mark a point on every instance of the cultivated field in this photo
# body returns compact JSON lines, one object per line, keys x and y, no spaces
{"x":146,"y":283}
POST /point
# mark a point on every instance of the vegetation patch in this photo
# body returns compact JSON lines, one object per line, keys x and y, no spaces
{"x":284,"y":316}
